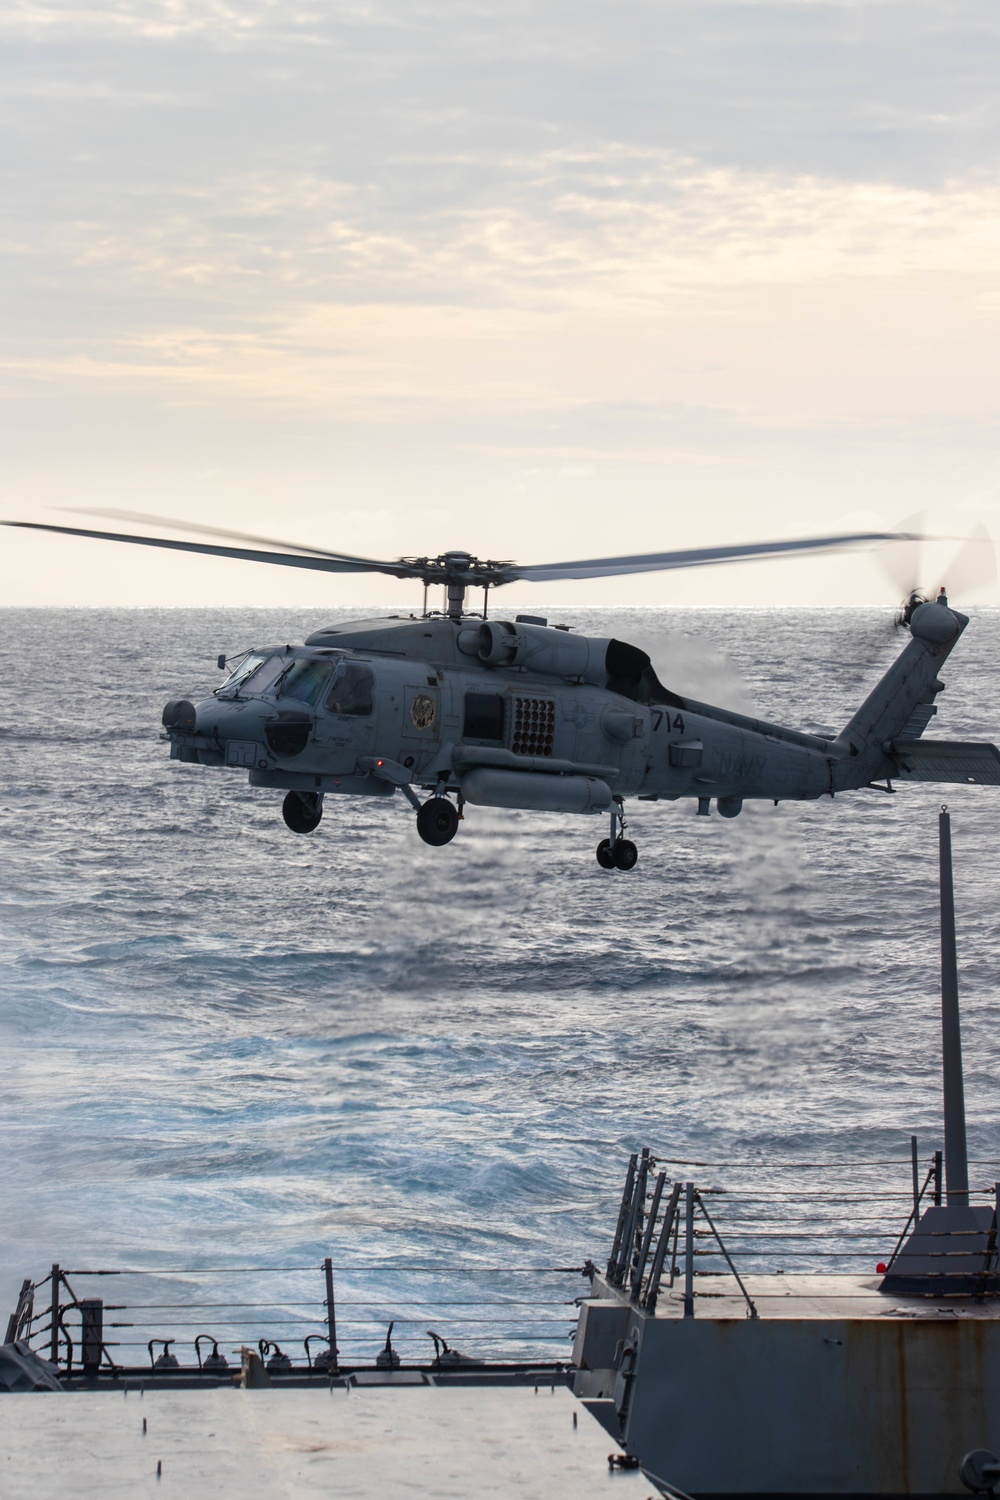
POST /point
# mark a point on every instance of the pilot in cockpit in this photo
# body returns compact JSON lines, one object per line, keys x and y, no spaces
{"x":351,"y":692}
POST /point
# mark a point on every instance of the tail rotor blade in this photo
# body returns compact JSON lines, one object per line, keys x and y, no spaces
{"x":901,"y":562}
{"x":974,"y":566}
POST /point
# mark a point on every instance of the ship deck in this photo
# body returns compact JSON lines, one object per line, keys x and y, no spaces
{"x":421,"y":1441}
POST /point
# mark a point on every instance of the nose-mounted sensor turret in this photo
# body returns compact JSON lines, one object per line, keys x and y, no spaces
{"x":179,"y":714}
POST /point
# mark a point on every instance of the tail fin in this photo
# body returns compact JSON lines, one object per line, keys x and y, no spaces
{"x":902,"y":705}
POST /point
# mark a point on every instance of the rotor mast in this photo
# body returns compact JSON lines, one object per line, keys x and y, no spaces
{"x":456,"y":598}
{"x":456,"y":567}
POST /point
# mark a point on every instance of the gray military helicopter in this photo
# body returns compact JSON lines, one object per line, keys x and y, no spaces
{"x":522,"y":714}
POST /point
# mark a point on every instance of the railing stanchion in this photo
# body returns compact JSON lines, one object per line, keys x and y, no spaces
{"x":915,"y":1168}
{"x":91,"y":1335}
{"x":331,"y":1315}
{"x":622,"y":1218}
{"x":689,"y":1250}
{"x":633,"y":1223}
{"x":54,"y":1334}
{"x":639,"y":1270}
{"x":667,"y":1229}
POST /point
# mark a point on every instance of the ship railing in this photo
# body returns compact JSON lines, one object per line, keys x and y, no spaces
{"x":779,"y":1216}
{"x":191,"y":1319}
{"x":912,"y":1218}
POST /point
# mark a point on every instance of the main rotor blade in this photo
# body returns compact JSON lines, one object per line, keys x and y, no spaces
{"x":471,"y":572}
{"x":698,"y":557}
{"x":173,"y":524}
{"x":282,"y":559}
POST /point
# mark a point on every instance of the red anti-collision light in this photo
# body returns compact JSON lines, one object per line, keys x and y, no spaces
{"x":880,"y":1268}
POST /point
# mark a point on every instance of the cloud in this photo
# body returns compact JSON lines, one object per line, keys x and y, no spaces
{"x":595,"y":202}
{"x":153,"y":20}
{"x":295,"y":290}
{"x":529,"y":257}
{"x":615,"y":227}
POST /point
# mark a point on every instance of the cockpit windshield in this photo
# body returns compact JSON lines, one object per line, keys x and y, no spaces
{"x":249,"y":664}
{"x":264,"y":676}
{"x":255,"y":674}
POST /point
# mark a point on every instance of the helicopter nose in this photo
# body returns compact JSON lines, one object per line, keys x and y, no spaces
{"x":222,"y":720}
{"x":179,"y":714}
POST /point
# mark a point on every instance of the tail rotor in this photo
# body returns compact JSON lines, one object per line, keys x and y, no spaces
{"x":972,"y":569}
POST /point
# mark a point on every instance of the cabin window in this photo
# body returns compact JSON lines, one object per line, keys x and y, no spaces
{"x":352,"y":691}
{"x":304,"y":681}
{"x":484,"y":716}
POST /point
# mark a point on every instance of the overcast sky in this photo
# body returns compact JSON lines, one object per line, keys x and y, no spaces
{"x":540,"y":281}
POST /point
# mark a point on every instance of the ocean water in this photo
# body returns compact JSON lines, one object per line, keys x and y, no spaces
{"x":227,"y":1045}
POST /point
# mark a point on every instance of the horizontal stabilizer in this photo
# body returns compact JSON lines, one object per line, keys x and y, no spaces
{"x":946,"y":760}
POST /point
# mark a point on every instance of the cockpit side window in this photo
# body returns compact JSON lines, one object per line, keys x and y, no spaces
{"x":304,"y":681}
{"x":352,"y":691}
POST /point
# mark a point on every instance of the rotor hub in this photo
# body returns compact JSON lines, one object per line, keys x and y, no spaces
{"x":459,"y":567}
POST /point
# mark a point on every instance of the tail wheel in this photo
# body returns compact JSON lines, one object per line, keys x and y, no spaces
{"x":437,"y":821}
{"x":302,"y":811}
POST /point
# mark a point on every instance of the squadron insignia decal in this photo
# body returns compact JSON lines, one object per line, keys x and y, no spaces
{"x":423,"y":712}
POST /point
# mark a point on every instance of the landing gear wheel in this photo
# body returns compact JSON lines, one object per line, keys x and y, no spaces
{"x":625,"y":855}
{"x":437,"y":821}
{"x":302,"y":811}
{"x":605,"y":855}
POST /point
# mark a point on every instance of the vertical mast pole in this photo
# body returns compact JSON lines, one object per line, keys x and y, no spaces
{"x":956,"y":1156}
